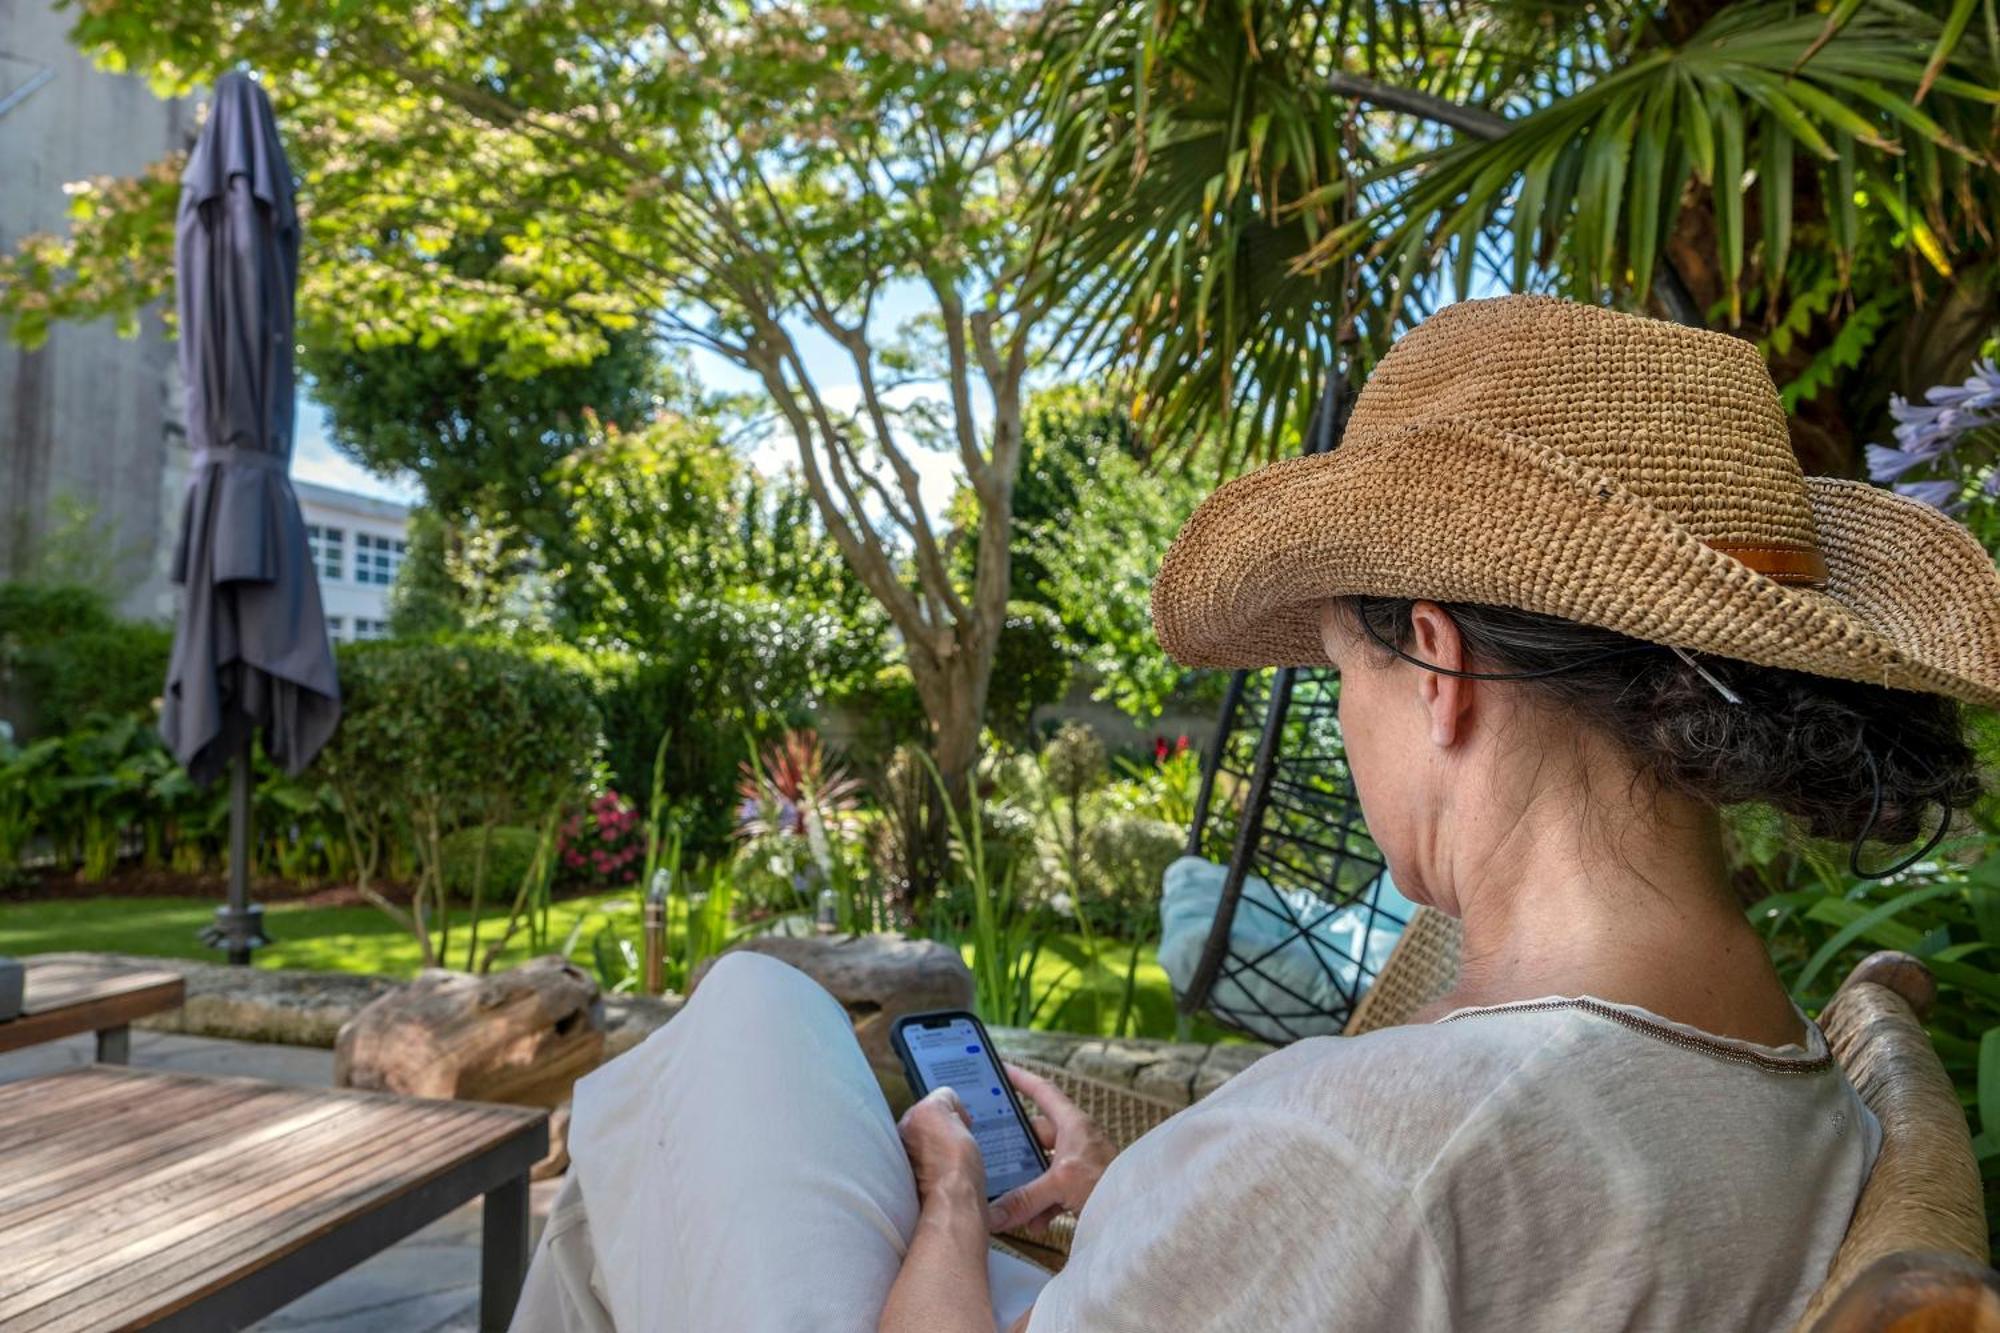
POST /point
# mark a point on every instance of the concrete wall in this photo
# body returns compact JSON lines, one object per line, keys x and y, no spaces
{"x":88,"y":418}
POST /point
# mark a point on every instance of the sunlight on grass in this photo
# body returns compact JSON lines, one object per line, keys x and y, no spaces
{"x":336,"y":939}
{"x":1084,"y":993}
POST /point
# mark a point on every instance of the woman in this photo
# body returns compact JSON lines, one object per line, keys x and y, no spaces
{"x":1580,"y":596}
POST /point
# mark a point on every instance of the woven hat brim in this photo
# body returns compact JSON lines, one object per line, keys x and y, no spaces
{"x":1454,"y":511}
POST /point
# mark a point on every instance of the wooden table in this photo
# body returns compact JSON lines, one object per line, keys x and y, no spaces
{"x":146,"y":1199}
{"x":63,"y":998}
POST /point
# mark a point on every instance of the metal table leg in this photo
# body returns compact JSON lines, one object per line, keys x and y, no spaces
{"x":503,"y":1253}
{"x":114,"y":1045}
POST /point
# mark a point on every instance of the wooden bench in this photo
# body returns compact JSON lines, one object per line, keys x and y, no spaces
{"x":63,"y":998}
{"x":147,"y":1199}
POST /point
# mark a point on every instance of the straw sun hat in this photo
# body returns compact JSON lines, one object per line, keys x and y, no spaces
{"x":1604,"y":468}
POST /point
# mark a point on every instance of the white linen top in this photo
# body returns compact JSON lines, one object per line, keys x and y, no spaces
{"x":1553,"y":1164}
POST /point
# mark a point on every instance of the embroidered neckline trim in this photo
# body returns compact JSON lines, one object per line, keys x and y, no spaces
{"x":1776,"y":1064}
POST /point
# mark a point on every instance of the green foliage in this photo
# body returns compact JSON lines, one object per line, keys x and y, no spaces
{"x":1065,"y":431}
{"x":446,"y":736}
{"x":669,"y":536}
{"x":107,"y":790}
{"x":1005,"y":932}
{"x":508,"y":851}
{"x":480,"y":425}
{"x":1232,"y":175}
{"x":1106,"y":525}
{"x":718,"y":608}
{"x":67,"y":657}
{"x":1130,"y":854}
{"x":1030,"y":668}
{"x":1818,"y":921}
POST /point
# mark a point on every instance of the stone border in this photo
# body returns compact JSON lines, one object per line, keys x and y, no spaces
{"x":302,"y":1008}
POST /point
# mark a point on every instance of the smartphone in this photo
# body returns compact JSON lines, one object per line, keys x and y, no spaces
{"x":950,"y":1048}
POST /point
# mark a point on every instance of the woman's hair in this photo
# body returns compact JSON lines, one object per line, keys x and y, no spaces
{"x":1798,"y":742}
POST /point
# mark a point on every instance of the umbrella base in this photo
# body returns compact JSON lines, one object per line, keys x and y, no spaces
{"x":238,"y":930}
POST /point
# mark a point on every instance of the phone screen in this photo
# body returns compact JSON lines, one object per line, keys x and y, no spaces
{"x":955,"y":1054}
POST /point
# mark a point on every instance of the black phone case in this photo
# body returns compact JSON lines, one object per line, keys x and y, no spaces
{"x":915,"y":1080}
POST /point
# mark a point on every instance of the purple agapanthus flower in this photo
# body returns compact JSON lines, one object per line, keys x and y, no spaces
{"x":1927,"y":433}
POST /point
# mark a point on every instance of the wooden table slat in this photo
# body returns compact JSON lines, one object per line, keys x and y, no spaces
{"x":198,"y":1147}
{"x":203,"y":1165}
{"x":198,"y":1257}
{"x":27,"y":1120}
{"x":61,"y":998}
{"x":109,"y":1259}
{"x":176,"y":1219}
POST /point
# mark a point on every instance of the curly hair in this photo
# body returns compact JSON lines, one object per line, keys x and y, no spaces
{"x":1800,"y":743}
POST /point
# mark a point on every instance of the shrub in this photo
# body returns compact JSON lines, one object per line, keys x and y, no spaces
{"x":442,"y":736}
{"x":68,"y":659}
{"x":642,"y":700}
{"x":1031,"y":667}
{"x":510,"y":855}
{"x":1130,"y":855}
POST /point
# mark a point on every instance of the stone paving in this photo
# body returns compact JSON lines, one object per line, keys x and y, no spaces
{"x":427,"y":1283}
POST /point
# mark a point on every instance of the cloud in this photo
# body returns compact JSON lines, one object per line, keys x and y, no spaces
{"x":315,"y":459}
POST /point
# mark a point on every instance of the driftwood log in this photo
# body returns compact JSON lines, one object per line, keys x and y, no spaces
{"x":522,"y":1036}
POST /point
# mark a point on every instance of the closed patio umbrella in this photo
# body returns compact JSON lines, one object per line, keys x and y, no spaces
{"x":250,"y":649}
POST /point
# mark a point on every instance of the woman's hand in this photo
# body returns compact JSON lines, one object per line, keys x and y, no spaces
{"x":942,"y":1285}
{"x":937,"y":1134}
{"x":1078,"y":1153}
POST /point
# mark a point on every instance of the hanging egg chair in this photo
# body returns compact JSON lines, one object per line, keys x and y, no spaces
{"x":1302,"y":917}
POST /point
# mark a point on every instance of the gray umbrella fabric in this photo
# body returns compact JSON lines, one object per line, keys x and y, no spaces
{"x":250,"y":647}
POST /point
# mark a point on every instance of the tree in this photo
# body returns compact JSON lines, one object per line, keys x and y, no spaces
{"x":1101,"y":525}
{"x":478,"y":428}
{"x":725,"y":174}
{"x":1257,"y":188}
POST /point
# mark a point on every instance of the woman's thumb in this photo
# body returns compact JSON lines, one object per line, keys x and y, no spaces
{"x":1019,"y":1205}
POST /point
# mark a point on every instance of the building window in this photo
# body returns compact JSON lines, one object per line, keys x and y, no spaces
{"x":328,"y":547}
{"x":376,"y":559}
{"x":333,"y":628}
{"x":370,"y":629}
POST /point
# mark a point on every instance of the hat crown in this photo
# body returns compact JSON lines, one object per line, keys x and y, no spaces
{"x":1686,"y":419}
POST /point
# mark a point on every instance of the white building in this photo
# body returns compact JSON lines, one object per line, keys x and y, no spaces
{"x":358,"y":543}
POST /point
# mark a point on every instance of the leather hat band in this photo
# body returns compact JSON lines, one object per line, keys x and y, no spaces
{"x":1781,"y":564}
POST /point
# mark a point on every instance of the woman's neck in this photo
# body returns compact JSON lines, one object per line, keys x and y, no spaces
{"x":1641,"y":916}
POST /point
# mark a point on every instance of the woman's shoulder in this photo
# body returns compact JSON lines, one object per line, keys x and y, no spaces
{"x":1400,"y":1097}
{"x":1393,"y":1096}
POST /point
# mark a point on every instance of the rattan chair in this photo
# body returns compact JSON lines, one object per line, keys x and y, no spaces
{"x":1914,"y":1258}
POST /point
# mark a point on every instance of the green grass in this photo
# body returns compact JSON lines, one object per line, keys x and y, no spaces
{"x":1085,"y":991}
{"x":333,"y":939}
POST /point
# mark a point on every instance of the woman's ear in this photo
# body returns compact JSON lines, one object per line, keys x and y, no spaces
{"x":1434,"y":638}
{"x":1332,"y":631}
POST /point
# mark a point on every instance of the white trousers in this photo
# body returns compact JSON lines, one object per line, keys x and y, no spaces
{"x":738,"y":1172}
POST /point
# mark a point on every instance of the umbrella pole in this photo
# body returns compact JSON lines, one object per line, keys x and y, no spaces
{"x":239,"y":852}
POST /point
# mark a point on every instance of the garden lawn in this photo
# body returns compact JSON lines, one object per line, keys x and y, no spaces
{"x":329,"y":939}
{"x":1079,"y":987}
{"x":1082,"y":994}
